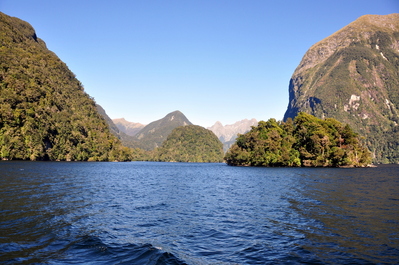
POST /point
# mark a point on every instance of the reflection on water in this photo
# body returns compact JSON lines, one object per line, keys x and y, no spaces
{"x":179,"y":213}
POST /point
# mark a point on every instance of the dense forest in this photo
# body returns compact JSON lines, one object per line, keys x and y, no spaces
{"x":190,"y":143}
{"x":44,"y":112}
{"x":155,"y":133}
{"x":46,"y":115}
{"x":304,"y":141}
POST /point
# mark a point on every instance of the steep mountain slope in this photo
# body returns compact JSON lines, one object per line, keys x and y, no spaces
{"x":126,"y":140}
{"x":190,"y":143}
{"x":227,"y":134}
{"x":152,"y":135}
{"x":353,"y":76}
{"x":44,"y":112}
{"x":129,"y":128}
{"x":112,"y":127}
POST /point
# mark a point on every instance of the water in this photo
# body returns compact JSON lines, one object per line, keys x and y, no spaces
{"x":183,"y":213}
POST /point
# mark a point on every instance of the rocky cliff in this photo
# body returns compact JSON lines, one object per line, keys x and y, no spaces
{"x":353,"y":76}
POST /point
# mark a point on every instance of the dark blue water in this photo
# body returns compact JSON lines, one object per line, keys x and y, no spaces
{"x":178,"y":213}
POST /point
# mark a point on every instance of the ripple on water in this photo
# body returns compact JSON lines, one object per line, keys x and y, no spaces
{"x":178,"y":213}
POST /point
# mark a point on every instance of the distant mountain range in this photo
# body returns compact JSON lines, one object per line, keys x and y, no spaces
{"x":146,"y":137}
{"x":353,"y":76}
{"x":227,"y":134}
{"x":150,"y":136}
{"x":129,"y":128}
{"x":46,"y":115}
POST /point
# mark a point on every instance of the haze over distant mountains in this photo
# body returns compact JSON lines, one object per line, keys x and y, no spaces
{"x":129,"y":128}
{"x":46,"y":115}
{"x":137,"y":131}
{"x":227,"y":134}
{"x":149,"y":136}
{"x":352,"y":76}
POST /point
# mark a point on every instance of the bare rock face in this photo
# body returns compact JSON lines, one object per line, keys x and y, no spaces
{"x":228,"y":133}
{"x":353,"y":76}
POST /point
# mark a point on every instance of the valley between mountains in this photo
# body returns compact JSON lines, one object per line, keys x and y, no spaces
{"x":225,"y":133}
{"x":342,"y":110}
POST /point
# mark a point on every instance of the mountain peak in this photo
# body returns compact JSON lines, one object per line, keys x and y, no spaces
{"x":385,"y":21}
{"x":176,"y":112}
{"x":152,"y":135}
{"x":120,"y":120}
{"x":228,"y":133}
{"x":358,"y":30}
{"x":175,"y":115}
{"x":352,"y":76}
{"x":127,"y":127}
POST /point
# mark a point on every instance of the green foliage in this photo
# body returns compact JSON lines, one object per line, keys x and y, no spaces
{"x":306,"y":141}
{"x":366,"y":65}
{"x":44,"y":112}
{"x":155,"y":133}
{"x":190,"y":143}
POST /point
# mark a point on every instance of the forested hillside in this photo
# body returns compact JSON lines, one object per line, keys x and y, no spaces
{"x":306,"y":141}
{"x":44,"y":112}
{"x":190,"y":143}
{"x":155,"y":133}
{"x":353,"y":76}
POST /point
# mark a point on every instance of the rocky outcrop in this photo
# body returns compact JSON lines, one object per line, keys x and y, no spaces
{"x":353,"y":76}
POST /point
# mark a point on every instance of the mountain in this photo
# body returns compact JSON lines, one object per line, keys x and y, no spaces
{"x":353,"y":76}
{"x":228,"y":133}
{"x":126,"y":140}
{"x":191,"y":143}
{"x":112,"y":127}
{"x":153,"y":134}
{"x":129,"y":128}
{"x":44,"y":112}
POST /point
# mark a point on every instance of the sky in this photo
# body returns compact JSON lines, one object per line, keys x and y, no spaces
{"x":224,"y":60}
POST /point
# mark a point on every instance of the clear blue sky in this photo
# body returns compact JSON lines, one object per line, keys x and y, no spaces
{"x":213,"y":60}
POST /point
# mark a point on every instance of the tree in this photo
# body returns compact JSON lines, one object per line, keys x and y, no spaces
{"x":190,"y":143}
{"x":306,"y":141}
